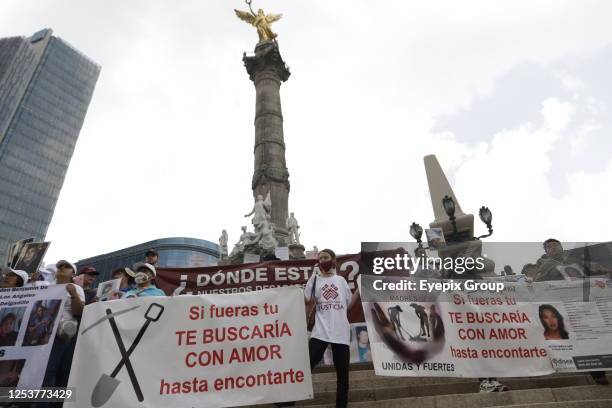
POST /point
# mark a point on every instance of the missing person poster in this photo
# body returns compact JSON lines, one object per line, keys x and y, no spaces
{"x":28,"y":322}
{"x":444,"y":328}
{"x":107,"y":290}
{"x":576,"y":321}
{"x":31,"y":256}
{"x":193,"y":350}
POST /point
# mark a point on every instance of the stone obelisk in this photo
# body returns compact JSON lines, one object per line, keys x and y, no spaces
{"x":267,"y":70}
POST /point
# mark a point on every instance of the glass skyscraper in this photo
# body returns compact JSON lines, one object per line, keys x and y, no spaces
{"x":45,"y":88}
{"x":175,"y":252}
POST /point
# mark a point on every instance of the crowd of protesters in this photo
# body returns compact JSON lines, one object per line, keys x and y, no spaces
{"x":331,"y":326}
{"x":547,"y":268}
{"x":136,"y":281}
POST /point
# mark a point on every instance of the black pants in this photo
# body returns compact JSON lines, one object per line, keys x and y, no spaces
{"x":58,"y":367}
{"x":342,"y":356}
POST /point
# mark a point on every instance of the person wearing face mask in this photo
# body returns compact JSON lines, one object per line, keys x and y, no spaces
{"x":145,"y":273}
{"x":333,"y":299}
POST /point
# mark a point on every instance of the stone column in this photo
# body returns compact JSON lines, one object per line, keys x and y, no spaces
{"x":267,"y":69}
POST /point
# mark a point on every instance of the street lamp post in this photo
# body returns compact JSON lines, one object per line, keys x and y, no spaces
{"x":416,"y":231}
{"x":449,"y":208}
{"x":485,"y":216}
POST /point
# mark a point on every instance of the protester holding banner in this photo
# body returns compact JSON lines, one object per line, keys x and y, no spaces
{"x":14,"y":278}
{"x":38,"y":278}
{"x":145,"y":273}
{"x":550,"y":265}
{"x":127,"y":278}
{"x":60,"y":359}
{"x":333,"y":299}
{"x":89,"y":274}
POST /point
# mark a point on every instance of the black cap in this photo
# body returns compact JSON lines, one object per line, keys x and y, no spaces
{"x":151,"y":252}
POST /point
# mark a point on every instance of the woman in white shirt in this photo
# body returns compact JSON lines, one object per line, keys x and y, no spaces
{"x":333,"y":299}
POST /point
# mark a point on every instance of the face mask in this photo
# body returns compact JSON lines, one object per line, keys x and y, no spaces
{"x":141,"y":277}
{"x":326,"y":266}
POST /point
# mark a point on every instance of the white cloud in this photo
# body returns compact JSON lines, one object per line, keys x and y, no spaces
{"x":570,"y":82}
{"x":557,"y":115}
{"x":166,"y":149}
{"x":581,"y":141}
{"x":511,"y":174}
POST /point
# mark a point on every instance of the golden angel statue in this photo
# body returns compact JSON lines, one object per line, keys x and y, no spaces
{"x":260,"y":21}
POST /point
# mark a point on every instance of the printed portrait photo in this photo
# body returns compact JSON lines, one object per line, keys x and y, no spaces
{"x":10,"y":322}
{"x":15,"y":250}
{"x":31,"y":256}
{"x":10,"y":372}
{"x":553,"y":323}
{"x":106,"y":289}
{"x":41,"y":322}
{"x":363,"y":344}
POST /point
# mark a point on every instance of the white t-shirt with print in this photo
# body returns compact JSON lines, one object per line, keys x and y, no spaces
{"x":333,"y":296}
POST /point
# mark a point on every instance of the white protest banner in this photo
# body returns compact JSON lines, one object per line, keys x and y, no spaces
{"x":578,"y":332}
{"x":190,"y":350}
{"x":28,"y":322}
{"x":461,"y":333}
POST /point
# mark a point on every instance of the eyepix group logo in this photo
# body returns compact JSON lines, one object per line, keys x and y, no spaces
{"x":563,"y":364}
{"x":329,"y":291}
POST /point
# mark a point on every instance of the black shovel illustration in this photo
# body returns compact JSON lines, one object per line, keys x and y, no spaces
{"x":107,"y":385}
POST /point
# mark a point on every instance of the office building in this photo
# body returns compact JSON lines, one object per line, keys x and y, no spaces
{"x":45,"y":89}
{"x":177,"y":252}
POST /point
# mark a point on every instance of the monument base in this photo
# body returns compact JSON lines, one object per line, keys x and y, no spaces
{"x":228,"y":261}
{"x":296,"y":251}
{"x":282,"y":236}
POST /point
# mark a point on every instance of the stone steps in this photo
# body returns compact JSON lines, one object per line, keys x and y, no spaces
{"x":466,"y":386}
{"x":566,"y":404}
{"x":367,"y":374}
{"x":572,"y":390}
{"x":328,"y":383}
{"x":581,"y":396}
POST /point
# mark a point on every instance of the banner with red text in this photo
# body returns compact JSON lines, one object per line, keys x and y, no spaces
{"x":476,"y":333}
{"x":251,"y":277}
{"x":270,"y":274}
{"x":211,"y":350}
